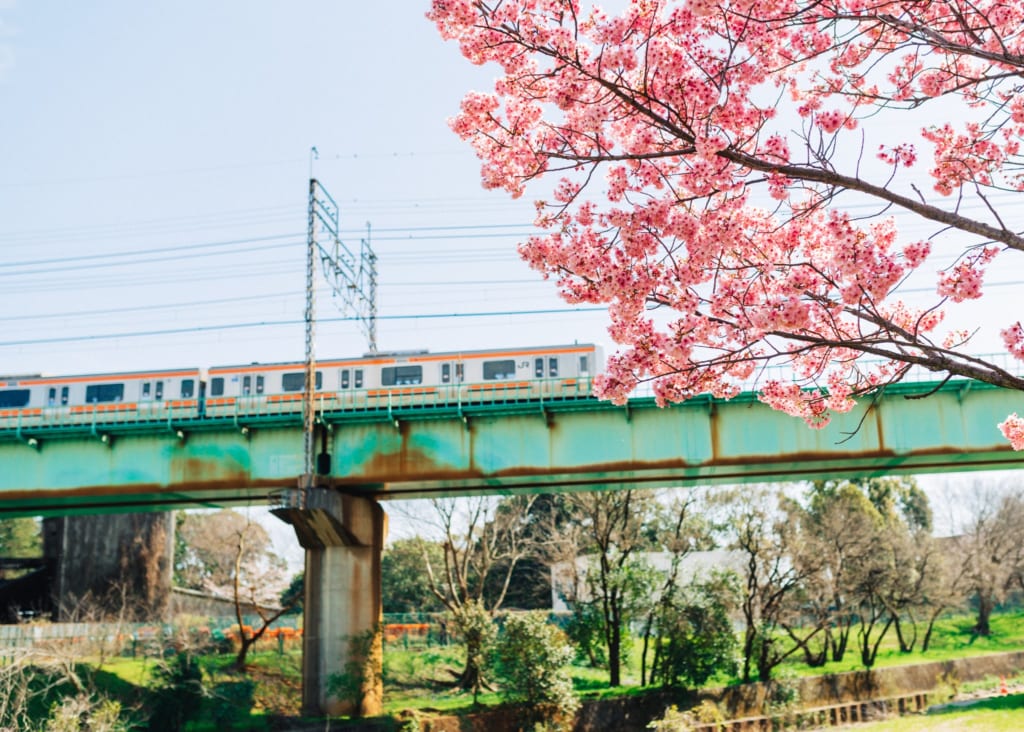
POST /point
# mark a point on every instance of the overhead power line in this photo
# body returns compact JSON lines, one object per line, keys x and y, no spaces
{"x":155,"y":250}
{"x":275,"y":323}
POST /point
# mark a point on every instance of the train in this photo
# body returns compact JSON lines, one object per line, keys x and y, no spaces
{"x":418,"y":378}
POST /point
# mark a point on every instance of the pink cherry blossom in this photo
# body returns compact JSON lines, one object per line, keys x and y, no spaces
{"x":1013,"y":430}
{"x":703,"y":154}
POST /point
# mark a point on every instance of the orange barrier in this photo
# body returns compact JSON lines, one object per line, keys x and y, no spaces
{"x":394,"y":632}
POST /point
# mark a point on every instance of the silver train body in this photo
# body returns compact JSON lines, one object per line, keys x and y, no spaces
{"x":417,"y":378}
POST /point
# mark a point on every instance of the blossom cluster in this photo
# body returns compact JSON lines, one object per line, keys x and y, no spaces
{"x":723,"y":215}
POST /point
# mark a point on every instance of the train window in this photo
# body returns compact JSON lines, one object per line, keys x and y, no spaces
{"x":64,"y":395}
{"x":14,"y":397}
{"x":217,"y":386}
{"x":259,"y":384}
{"x":246,"y":385}
{"x":345,"y":378}
{"x":552,"y":367}
{"x":446,"y":373}
{"x":538,"y":368}
{"x":145,"y":389}
{"x":188,"y":388}
{"x":51,"y":397}
{"x":401,"y":375}
{"x":296,"y":381}
{"x":159,"y":390}
{"x":495,"y":370}
{"x":584,"y":366}
{"x":359,"y":378}
{"x":459,"y":377}
{"x":101,"y":393}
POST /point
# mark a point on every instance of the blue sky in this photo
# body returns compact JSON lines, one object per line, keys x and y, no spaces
{"x":154,"y":160}
{"x":154,"y":164}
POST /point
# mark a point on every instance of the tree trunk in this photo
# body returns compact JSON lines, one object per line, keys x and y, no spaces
{"x":869,"y":650}
{"x":906,"y":644}
{"x":986,"y":604}
{"x":841,"y":640}
{"x":643,"y":655}
{"x":614,"y":662}
{"x":749,"y":636}
{"x":928,"y":632}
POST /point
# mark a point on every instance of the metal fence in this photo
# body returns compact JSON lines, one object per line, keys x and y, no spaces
{"x":135,"y":639}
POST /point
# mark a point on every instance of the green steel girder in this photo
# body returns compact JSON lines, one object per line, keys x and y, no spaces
{"x":509,"y":447}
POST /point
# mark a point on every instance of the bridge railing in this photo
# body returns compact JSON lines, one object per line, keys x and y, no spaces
{"x":179,"y":414}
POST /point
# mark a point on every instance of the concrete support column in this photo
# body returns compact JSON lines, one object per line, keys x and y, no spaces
{"x":342,"y":643}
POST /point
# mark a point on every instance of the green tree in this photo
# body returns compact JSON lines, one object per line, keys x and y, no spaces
{"x":696,"y":639}
{"x":601,"y":552}
{"x":405,"y":584}
{"x":476,"y":626}
{"x":20,"y":538}
{"x":292,"y":597}
{"x":835,"y":537}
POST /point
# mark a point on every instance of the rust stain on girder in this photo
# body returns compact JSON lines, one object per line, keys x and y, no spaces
{"x":415,"y":465}
{"x":126,"y":490}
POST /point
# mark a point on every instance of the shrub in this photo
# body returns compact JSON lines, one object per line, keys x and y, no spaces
{"x":177,"y":695}
{"x":233,"y":701}
{"x":532,"y":656}
{"x":82,"y":712}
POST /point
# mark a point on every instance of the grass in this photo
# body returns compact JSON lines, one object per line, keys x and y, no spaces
{"x":951,"y":639}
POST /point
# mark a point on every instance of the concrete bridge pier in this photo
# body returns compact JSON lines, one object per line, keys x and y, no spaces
{"x":342,"y":652}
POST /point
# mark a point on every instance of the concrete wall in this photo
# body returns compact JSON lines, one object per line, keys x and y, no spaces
{"x":115,"y":564}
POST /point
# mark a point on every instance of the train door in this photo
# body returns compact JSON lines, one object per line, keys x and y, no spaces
{"x":450,"y":377}
{"x":145,"y":397}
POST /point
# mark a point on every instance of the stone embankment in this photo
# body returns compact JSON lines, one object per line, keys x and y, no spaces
{"x":830,"y":699}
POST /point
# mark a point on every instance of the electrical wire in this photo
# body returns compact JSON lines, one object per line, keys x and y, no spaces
{"x":266,"y":323}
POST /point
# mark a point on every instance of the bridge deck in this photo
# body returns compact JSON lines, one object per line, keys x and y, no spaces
{"x":403,"y":447}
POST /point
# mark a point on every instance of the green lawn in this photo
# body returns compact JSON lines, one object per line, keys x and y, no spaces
{"x":951,"y":639}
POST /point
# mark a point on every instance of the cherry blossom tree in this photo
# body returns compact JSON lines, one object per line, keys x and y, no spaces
{"x":732,"y":176}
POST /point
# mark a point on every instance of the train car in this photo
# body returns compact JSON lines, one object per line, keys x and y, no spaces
{"x":122,"y":396}
{"x":406,"y":378}
{"x":397,"y":378}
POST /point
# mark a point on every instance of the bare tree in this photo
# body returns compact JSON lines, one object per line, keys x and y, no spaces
{"x":836,"y":536}
{"x":483,"y":540}
{"x":229,"y":554}
{"x":254,"y":589}
{"x":770,"y":579}
{"x":991,"y":550}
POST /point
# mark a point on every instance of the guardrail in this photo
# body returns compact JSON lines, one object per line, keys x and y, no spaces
{"x":832,"y":715}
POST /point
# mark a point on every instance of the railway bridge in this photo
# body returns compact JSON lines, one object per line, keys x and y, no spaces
{"x":401,"y":446}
